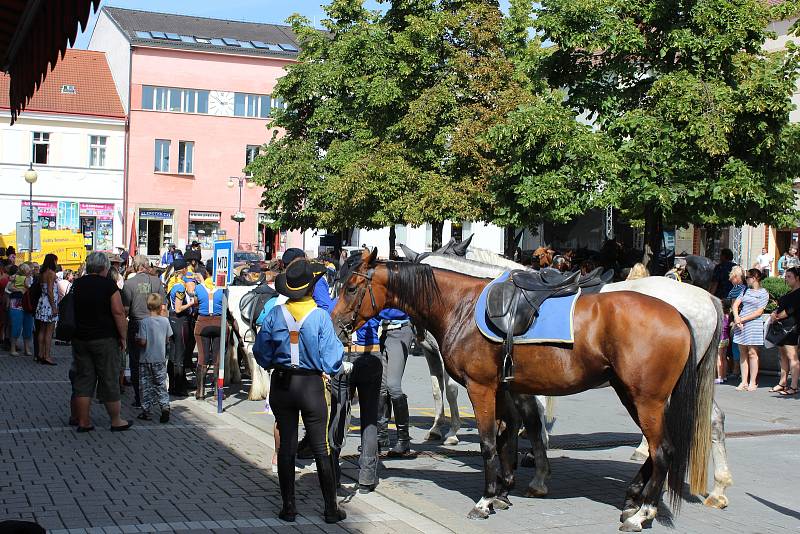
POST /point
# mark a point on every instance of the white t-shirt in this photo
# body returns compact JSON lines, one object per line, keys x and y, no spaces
{"x":764,"y":260}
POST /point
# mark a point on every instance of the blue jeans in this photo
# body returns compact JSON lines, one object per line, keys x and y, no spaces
{"x":21,"y":324}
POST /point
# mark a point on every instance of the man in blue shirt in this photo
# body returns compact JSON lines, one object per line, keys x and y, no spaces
{"x":169,"y":256}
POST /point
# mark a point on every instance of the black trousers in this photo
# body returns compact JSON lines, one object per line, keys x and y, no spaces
{"x":295,"y":392}
{"x":366,"y":378}
{"x":183,"y":342}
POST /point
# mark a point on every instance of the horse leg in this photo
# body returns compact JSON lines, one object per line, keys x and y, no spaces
{"x":533,"y":417}
{"x":652,"y":422}
{"x":722,"y":475}
{"x":451,"y":390}
{"x":642,"y":451}
{"x":438,"y":386}
{"x":484,"y":403}
{"x":507,"y":443}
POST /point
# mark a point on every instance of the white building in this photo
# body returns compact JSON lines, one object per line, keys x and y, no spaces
{"x":73,"y":133}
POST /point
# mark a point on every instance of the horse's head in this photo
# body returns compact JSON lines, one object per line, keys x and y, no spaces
{"x":362,"y":295}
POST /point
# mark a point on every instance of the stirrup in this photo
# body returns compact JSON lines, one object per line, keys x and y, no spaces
{"x":508,"y":369}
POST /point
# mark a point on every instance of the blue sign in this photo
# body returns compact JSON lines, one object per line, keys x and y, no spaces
{"x":223,"y":263}
{"x":161,"y":215}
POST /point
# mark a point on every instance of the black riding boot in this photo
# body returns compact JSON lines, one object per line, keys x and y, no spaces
{"x":403,"y":445}
{"x":327,"y":483}
{"x":286,"y":479}
{"x":384,"y":415}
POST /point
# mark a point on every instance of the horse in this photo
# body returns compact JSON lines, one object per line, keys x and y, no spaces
{"x":625,"y":339}
{"x":699,"y":307}
{"x":259,"y":387}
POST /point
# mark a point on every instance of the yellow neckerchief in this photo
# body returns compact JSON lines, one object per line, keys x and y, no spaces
{"x":174,"y":279}
{"x":209,"y":284}
{"x":299,"y":308}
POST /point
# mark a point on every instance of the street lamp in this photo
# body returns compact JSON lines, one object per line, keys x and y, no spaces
{"x":30,"y":176}
{"x":239,"y":216}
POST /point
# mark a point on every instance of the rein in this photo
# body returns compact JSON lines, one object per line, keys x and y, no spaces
{"x":348,"y":326}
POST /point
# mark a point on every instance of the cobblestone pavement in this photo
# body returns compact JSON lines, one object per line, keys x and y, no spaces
{"x":198,"y":473}
{"x":205,"y":472}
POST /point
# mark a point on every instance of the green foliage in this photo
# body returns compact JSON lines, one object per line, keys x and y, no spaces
{"x":777,"y":287}
{"x":698,"y":112}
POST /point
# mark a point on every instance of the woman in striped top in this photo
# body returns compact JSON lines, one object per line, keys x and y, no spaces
{"x":748,"y":331}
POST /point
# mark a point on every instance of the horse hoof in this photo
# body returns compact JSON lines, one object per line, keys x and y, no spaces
{"x":627,"y":514}
{"x":630,"y":526}
{"x":451,"y":440}
{"x":636,"y":456}
{"x":433,"y":435}
{"x":502,"y":503}
{"x":536,"y":492}
{"x":477,"y":513}
{"x":716,"y":501}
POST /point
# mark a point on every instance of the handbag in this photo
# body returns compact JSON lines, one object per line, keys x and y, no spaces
{"x":67,"y":322}
{"x":777,"y":331}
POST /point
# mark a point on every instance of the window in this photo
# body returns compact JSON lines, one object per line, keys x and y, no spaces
{"x":97,"y":150}
{"x":162,"y":155}
{"x":172,"y":99}
{"x":41,"y":147}
{"x":250,"y":154}
{"x":185,"y":157}
{"x":246,"y":105}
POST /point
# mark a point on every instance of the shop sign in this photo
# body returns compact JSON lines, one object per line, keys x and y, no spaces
{"x":205,"y":216}
{"x":263,"y":219}
{"x":101,"y":211}
{"x":48,"y":212}
{"x":162,"y":215}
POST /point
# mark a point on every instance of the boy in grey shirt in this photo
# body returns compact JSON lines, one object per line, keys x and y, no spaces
{"x":153,"y":336}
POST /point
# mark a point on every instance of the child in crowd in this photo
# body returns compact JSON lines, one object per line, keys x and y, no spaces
{"x":724,"y":341}
{"x":154,"y":334}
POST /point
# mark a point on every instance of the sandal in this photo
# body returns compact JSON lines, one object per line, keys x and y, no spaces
{"x":778,"y":388}
{"x":752,"y":388}
{"x":789,"y":392}
{"x":741,"y":387}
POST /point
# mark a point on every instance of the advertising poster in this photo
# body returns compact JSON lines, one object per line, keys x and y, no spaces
{"x":101,"y":211}
{"x":48,"y":212}
{"x":68,"y":216}
{"x":104,"y":235}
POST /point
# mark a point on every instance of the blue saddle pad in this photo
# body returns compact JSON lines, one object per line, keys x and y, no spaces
{"x":552,"y":325}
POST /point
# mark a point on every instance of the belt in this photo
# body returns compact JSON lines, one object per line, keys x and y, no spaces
{"x":364,"y":348}
{"x":297,"y":370}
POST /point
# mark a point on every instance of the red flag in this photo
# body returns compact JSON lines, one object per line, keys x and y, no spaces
{"x":132,"y":244}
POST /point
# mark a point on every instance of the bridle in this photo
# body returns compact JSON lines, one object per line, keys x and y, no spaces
{"x":347,"y":327}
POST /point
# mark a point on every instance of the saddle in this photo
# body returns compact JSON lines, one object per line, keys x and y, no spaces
{"x":513,"y":305}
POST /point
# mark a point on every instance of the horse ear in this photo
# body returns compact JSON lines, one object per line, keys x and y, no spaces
{"x":408,"y":253}
{"x":460,"y":249}
{"x":373,"y":256}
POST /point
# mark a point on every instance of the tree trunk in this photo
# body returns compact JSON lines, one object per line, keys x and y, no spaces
{"x":436,"y":234}
{"x":653,"y":236}
{"x":509,"y":241}
{"x":392,"y":241}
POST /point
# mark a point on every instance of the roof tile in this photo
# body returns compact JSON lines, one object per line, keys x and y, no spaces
{"x":95,"y":92}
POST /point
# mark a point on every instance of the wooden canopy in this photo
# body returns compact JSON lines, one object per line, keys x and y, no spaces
{"x":34,"y":34}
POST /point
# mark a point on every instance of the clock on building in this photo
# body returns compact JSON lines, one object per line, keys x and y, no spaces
{"x":220,"y":103}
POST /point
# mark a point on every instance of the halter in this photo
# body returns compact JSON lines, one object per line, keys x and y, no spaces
{"x":348,"y":326}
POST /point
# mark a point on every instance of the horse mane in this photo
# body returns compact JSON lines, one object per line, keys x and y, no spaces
{"x":412,"y":284}
{"x":464,"y":266}
{"x":482,"y":255}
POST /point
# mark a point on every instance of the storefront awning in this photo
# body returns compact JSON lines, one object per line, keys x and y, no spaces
{"x":33,"y":35}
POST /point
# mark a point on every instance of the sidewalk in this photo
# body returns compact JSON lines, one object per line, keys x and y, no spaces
{"x":199,"y":473}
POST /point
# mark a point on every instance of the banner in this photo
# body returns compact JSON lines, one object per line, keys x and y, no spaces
{"x":101,"y":211}
{"x":48,"y":212}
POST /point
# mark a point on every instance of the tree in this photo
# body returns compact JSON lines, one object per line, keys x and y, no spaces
{"x":696,"y":109}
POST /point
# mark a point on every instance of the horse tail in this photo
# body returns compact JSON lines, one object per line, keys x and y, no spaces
{"x":680,"y":423}
{"x":701,"y":445}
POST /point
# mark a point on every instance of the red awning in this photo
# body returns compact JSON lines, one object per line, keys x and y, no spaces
{"x":33,"y":34}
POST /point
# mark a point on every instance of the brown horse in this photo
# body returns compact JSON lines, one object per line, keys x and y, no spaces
{"x":639,"y":344}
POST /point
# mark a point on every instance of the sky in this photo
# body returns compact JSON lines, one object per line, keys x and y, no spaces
{"x":270,"y":11}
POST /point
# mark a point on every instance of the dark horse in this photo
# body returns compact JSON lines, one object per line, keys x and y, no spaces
{"x":639,"y":344}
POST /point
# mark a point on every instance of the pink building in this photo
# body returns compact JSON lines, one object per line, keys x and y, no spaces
{"x":197,"y":93}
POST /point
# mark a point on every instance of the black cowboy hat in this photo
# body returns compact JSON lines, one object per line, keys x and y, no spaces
{"x":298,"y":280}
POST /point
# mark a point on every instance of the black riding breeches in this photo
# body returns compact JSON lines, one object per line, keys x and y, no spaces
{"x":295,"y":392}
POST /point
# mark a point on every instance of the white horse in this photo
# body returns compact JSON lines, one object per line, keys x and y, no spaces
{"x":701,"y":309}
{"x":259,"y":388}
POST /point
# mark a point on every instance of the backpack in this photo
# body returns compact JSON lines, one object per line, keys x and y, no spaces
{"x":253,"y":302}
{"x":30,"y":299}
